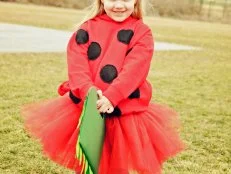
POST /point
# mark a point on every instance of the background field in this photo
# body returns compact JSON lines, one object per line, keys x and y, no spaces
{"x":195,"y":83}
{"x":209,"y":10}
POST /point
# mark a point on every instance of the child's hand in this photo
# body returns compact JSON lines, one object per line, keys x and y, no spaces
{"x":103,"y":104}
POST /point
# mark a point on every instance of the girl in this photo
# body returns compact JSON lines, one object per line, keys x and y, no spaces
{"x":110,"y":51}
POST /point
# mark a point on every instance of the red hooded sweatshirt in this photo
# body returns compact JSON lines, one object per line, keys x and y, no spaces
{"x":114,"y":57}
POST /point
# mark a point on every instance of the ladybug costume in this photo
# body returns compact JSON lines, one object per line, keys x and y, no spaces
{"x":114,"y":57}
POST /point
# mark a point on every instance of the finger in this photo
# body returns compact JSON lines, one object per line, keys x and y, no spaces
{"x":102,"y":101}
{"x":99,"y":103}
{"x":100,"y":94}
{"x":110,"y":110}
{"x":103,"y":108}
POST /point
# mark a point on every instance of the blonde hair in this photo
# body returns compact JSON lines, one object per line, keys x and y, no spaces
{"x":97,"y":9}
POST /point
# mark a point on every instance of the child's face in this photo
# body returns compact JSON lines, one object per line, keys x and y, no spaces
{"x":119,"y":10}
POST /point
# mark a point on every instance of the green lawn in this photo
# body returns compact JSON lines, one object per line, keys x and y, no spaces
{"x":195,"y":83}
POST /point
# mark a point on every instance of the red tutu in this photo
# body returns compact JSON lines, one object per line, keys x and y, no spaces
{"x":138,"y":142}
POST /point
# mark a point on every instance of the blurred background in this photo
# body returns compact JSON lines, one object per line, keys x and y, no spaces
{"x":210,"y":10}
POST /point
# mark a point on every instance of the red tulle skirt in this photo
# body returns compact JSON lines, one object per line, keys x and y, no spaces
{"x":138,"y":142}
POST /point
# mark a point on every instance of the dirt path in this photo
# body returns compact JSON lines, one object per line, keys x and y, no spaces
{"x":20,"y":38}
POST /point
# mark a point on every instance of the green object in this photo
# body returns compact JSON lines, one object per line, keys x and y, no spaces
{"x":91,"y":136}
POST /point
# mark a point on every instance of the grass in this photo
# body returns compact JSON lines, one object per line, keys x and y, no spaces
{"x":195,"y":83}
{"x":50,"y":17}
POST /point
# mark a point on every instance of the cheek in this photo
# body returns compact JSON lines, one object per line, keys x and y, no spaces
{"x":108,"y":6}
{"x":130,"y":7}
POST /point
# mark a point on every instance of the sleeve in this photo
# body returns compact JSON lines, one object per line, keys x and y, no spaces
{"x":135,"y":69}
{"x":79,"y":74}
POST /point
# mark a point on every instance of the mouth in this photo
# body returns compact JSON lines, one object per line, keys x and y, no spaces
{"x":119,"y":12}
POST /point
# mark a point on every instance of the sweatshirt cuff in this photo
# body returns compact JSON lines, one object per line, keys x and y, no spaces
{"x":113,"y":95}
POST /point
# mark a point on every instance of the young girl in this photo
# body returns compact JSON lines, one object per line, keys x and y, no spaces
{"x":110,"y":51}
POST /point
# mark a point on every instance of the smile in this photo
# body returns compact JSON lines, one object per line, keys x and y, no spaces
{"x":119,"y":12}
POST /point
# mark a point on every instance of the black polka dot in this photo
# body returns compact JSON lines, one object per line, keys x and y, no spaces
{"x":135,"y":94}
{"x":108,"y":73}
{"x":117,"y":112}
{"x":129,"y":51}
{"x":125,"y":36}
{"x":94,"y":51}
{"x":75,"y":99}
{"x":82,"y":36}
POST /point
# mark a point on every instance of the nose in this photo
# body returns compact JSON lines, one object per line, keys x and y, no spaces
{"x":118,"y":5}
